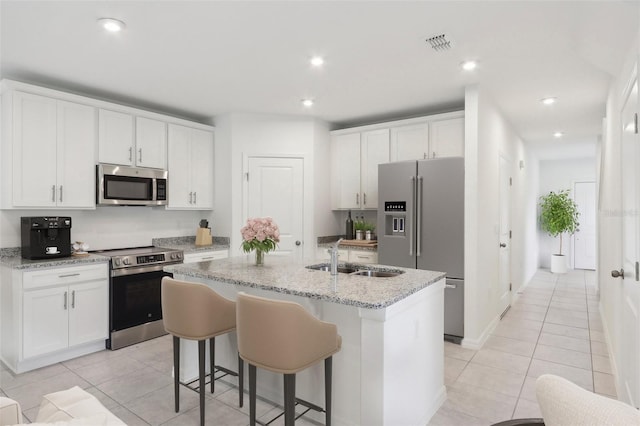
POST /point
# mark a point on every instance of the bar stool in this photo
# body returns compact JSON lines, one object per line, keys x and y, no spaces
{"x":284,"y":338}
{"x":195,"y":312}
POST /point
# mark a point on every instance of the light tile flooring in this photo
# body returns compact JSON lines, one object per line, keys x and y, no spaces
{"x":554,"y":327}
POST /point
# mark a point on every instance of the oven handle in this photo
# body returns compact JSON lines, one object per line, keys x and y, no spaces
{"x":141,"y":269}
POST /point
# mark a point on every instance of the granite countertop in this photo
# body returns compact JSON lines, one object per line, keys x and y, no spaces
{"x":188,"y":244}
{"x":12,"y":258}
{"x":283,"y":274}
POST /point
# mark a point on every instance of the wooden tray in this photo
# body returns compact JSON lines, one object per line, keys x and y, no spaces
{"x":359,"y":243}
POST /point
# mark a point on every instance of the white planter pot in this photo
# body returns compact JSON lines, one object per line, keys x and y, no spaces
{"x":558,"y":264}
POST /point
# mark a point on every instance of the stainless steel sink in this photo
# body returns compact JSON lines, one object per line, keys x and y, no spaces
{"x":327,"y":268}
{"x":379,"y":274}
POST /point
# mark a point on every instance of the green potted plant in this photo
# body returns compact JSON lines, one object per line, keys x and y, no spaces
{"x":369,"y":229}
{"x":558,"y":215}
{"x":359,"y":226}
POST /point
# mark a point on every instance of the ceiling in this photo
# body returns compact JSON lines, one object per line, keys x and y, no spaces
{"x":199,"y":59}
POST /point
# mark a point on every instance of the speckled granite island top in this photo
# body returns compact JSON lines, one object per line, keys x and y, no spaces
{"x":11,"y":258}
{"x":283,"y":274}
{"x":188,"y":244}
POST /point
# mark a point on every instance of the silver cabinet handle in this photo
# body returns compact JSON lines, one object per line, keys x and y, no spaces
{"x":68,"y":275}
{"x":424,"y":156}
{"x":357,"y":199}
{"x":208,"y":258}
{"x":53,"y":193}
{"x":60,"y":193}
{"x":450,"y":286}
{"x":130,"y":153}
{"x":411,"y":217}
{"x":364,"y":198}
{"x":191,"y":198}
{"x":434,"y":154}
{"x":419,"y":217}
{"x":73,"y":299}
{"x":359,"y":256}
{"x":65,"y":300}
{"x":140,"y":155}
{"x":195,"y":197}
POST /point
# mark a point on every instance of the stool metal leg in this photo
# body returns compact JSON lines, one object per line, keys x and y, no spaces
{"x":289,"y":399}
{"x":252,"y":395}
{"x":201,"y":362}
{"x":328,"y":364}
{"x":212,"y":359}
{"x":240,"y":381}
{"x":176,"y":372}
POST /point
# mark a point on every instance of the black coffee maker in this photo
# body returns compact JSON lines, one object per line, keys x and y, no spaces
{"x":45,"y":237}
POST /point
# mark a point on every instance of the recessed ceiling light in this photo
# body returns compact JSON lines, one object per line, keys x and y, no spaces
{"x":469,"y":65}
{"x":317,"y":61}
{"x":307,"y":102}
{"x":549,"y":101}
{"x":558,"y":134}
{"x":111,"y":25}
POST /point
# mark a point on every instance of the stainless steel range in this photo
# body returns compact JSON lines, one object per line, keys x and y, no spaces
{"x":135,"y":309}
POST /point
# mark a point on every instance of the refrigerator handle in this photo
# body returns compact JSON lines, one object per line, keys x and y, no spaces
{"x":419,"y":217}
{"x":410,"y":211}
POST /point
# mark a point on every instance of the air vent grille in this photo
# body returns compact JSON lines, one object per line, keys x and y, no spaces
{"x":439,"y":43}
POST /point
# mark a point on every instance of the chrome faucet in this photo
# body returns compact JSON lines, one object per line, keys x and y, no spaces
{"x":333,"y":251}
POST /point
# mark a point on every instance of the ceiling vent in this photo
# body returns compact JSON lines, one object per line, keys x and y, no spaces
{"x":439,"y":43}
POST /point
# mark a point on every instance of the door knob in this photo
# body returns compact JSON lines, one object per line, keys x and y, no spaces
{"x":503,"y":245}
{"x":616,"y":274}
{"x":298,"y":243}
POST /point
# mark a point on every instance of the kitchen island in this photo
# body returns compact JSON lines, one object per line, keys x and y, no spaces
{"x":390,"y":370}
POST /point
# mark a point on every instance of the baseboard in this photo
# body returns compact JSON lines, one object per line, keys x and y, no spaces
{"x":484,"y":336}
{"x":612,"y":359}
{"x":440,"y":399}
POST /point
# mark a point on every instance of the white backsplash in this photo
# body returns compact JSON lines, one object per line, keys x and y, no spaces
{"x":113,"y":227}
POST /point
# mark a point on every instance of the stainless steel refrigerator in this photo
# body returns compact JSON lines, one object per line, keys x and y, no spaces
{"x":421,"y":225}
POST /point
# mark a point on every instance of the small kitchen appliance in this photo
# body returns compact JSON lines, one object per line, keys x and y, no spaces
{"x":45,"y":237}
{"x":421,"y":225}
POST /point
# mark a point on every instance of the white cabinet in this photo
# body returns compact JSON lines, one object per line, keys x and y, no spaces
{"x":203,"y":256}
{"x":52,"y":315}
{"x":131,"y":141}
{"x":323,"y":254}
{"x":190,"y":168}
{"x":409,"y":142}
{"x":362,"y":256}
{"x":354,"y":174}
{"x":446,"y":137}
{"x":53,"y":151}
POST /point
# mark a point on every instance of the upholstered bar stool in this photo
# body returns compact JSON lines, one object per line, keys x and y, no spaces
{"x":196,"y":312}
{"x":284,"y":338}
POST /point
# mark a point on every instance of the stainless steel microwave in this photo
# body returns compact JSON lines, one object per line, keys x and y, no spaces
{"x":130,"y":186}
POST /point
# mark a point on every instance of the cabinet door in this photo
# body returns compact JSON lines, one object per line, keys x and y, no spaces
{"x":76,"y":175}
{"x":345,"y":171}
{"x":180,"y":195}
{"x":361,"y":256}
{"x":409,"y":142}
{"x":151,"y":143}
{"x":204,"y":256}
{"x":202,"y":169}
{"x":88,"y":312}
{"x":115,"y":138}
{"x":375,"y":150}
{"x":34,"y":151}
{"x":447,"y":138}
{"x":45,"y":321}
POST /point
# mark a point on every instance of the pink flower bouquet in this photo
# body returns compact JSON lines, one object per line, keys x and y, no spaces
{"x":260,"y":234}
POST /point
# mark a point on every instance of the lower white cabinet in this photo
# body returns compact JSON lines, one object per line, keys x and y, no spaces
{"x":203,"y":256}
{"x":349,"y":255}
{"x":53,"y":315}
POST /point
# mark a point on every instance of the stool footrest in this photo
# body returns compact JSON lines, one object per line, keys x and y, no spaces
{"x":194,"y":384}
{"x":309,"y":406}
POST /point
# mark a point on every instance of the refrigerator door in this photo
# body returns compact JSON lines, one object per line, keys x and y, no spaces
{"x":440,"y":210}
{"x":454,"y":307}
{"x":396,"y":214}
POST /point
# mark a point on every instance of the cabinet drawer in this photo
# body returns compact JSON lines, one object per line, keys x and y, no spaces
{"x":205,"y":256}
{"x":63,"y":276}
{"x":363,"y":257}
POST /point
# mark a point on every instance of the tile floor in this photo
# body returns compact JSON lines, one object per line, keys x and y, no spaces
{"x":554,"y":327}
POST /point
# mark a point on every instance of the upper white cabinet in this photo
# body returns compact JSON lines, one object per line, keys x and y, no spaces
{"x":132,"y":141}
{"x":446,"y":137}
{"x":409,"y":142}
{"x":354,"y":174}
{"x":53,"y":151}
{"x":190,"y":168}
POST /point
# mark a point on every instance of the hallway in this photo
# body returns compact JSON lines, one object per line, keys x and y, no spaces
{"x":553,"y":327}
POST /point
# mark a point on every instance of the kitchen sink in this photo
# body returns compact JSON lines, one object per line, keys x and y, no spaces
{"x":379,"y":274}
{"x":352,"y":270}
{"x":327,"y":268}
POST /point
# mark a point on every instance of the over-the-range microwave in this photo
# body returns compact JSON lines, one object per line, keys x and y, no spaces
{"x":130,"y":186}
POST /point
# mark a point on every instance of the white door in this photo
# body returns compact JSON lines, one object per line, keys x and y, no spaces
{"x":45,"y":321}
{"x":409,"y":142}
{"x":88,"y":312}
{"x":151,"y":143}
{"x":505,"y":235}
{"x":115,"y":138}
{"x":180,"y":195}
{"x":584,"y":240}
{"x":446,"y":138}
{"x":345,"y":171}
{"x":629,"y":374}
{"x":275,"y":188}
{"x":202,"y":168}
{"x":375,"y":151}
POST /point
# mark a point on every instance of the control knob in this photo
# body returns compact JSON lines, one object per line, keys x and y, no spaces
{"x":126,"y":261}
{"x":116,"y":262}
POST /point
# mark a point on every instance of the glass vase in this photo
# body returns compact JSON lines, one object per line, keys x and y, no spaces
{"x":259,"y":257}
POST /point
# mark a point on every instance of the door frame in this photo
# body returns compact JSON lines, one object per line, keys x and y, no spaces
{"x":307,"y":249}
{"x":507,"y":159}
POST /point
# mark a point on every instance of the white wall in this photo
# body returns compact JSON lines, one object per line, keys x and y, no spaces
{"x":242,"y":135}
{"x":487,"y":136}
{"x":111,"y":227}
{"x":557,"y":175}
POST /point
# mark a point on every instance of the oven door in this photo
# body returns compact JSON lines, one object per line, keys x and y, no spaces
{"x":135,"y":299}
